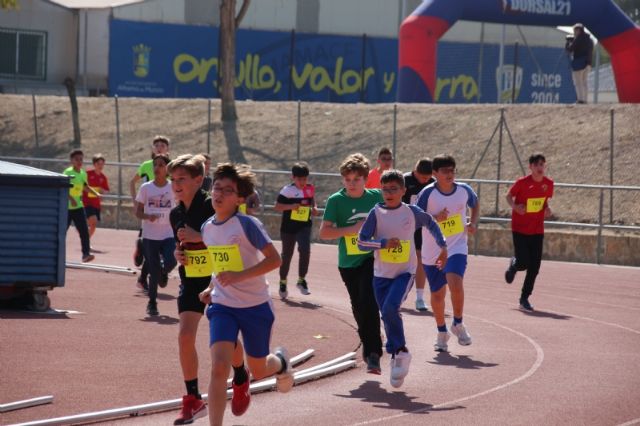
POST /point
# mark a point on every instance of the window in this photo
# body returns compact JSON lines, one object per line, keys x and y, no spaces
{"x":23,"y":54}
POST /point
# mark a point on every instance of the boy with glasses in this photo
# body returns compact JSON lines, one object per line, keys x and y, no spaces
{"x":385,"y":162}
{"x":238,"y":295}
{"x":447,"y":201}
{"x":389,"y":230}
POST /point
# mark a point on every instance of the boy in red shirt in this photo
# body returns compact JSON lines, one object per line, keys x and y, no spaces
{"x":529,"y":199}
{"x":99,"y":182}
{"x":385,"y":162}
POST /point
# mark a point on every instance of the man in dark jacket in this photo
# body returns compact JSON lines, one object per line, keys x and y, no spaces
{"x":580,"y":47}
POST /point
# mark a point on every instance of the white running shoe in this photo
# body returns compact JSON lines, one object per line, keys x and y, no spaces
{"x":420,"y":305}
{"x":441,"y":341}
{"x":399,"y":368}
{"x":284,"y":380}
{"x":459,"y":330}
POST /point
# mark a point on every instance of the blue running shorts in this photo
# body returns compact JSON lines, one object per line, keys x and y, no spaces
{"x":456,"y":264}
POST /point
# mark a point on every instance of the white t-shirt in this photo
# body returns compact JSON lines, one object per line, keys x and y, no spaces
{"x":432,"y":201}
{"x":158,"y":201}
{"x":241,"y":239}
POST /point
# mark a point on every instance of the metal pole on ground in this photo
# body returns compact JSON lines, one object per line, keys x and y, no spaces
{"x":35,"y":120}
{"x":119,"y":205}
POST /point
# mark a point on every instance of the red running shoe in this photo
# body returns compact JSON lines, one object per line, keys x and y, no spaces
{"x":192,"y":408}
{"x":241,"y":397}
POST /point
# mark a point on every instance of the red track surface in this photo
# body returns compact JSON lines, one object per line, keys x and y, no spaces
{"x":576,"y":360}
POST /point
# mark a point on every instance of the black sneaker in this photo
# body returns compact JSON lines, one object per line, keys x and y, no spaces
{"x":142,"y":285}
{"x":164,"y":279}
{"x":526,"y":306}
{"x":373,"y":363}
{"x":303,"y":286}
{"x":152,"y":308}
{"x":510,"y":273}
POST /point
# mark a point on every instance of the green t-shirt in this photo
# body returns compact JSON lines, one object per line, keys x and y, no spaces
{"x":344,"y":211}
{"x":78,"y":180}
{"x":145,"y":171}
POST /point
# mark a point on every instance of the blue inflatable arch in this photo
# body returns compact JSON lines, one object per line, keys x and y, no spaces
{"x":420,"y":32}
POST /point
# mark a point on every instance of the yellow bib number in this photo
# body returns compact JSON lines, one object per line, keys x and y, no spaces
{"x":301,"y":214}
{"x":199,"y":263}
{"x":396,"y":255}
{"x":452,"y":225}
{"x":91,"y":194}
{"x":351,"y":242}
{"x":534,"y":205}
{"x":76,"y":190}
{"x":242,"y":208}
{"x":226,"y":258}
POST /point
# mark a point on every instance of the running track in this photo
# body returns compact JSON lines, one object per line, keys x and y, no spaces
{"x":576,"y":360}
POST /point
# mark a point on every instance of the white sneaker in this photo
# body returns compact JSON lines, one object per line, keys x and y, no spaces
{"x":399,"y":368}
{"x":284,"y":380}
{"x":441,"y":341}
{"x":464,"y":338}
{"x":420,"y":305}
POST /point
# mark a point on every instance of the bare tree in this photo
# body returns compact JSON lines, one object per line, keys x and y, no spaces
{"x":75,"y":115}
{"x":229,"y":23}
{"x":9,"y":4}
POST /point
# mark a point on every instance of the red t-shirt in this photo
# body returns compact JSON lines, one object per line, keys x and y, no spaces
{"x":373,"y":180}
{"x":95,"y":181}
{"x":534,"y":195}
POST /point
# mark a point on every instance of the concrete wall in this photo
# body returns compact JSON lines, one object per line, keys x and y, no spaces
{"x":492,"y":240}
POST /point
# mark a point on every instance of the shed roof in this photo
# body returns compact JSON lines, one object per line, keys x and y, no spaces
{"x":93,"y":4}
{"x":13,"y":169}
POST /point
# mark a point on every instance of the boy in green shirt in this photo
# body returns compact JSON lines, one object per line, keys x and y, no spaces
{"x":76,"y":208}
{"x":343,"y":217}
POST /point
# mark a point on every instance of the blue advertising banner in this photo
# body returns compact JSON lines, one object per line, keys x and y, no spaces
{"x":167,"y":60}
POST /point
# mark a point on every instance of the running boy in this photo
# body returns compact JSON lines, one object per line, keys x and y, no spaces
{"x":76,"y":208}
{"x":344,"y":215}
{"x":99,"y":182}
{"x":414,"y":182}
{"x":389,"y":230}
{"x":385,"y":162}
{"x":238,"y":294}
{"x":529,"y":201}
{"x":297,"y":203}
{"x":154,"y":202}
{"x":159,"y":145}
{"x":447,"y":201}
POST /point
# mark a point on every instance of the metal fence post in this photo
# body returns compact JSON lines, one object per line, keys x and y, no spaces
{"x":35,"y":121}
{"x":298,"y":132}
{"x":209,"y":127}
{"x":394,"y":137}
{"x":119,"y":205}
{"x":611,"y":165}
{"x":599,"y":242}
{"x":499,"y":160}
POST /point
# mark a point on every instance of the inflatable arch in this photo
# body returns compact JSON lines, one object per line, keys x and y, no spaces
{"x":419,"y":34}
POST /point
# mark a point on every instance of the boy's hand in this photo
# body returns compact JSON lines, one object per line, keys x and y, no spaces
{"x":356,"y":227}
{"x":314,"y":211}
{"x":228,"y":277}
{"x":74,"y":203}
{"x":152,"y":217}
{"x":295,"y":206}
{"x":188,"y":235}
{"x":547,"y":213}
{"x":520,"y":209}
{"x":443,"y":215}
{"x":179,"y":255}
{"x":471,"y":228}
{"x":205,"y":296}
{"x":393,"y":243}
{"x":442,"y":259}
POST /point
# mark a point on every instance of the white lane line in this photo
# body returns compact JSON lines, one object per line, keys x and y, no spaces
{"x":631,"y":422}
{"x":534,"y":367}
{"x":568,"y":314}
